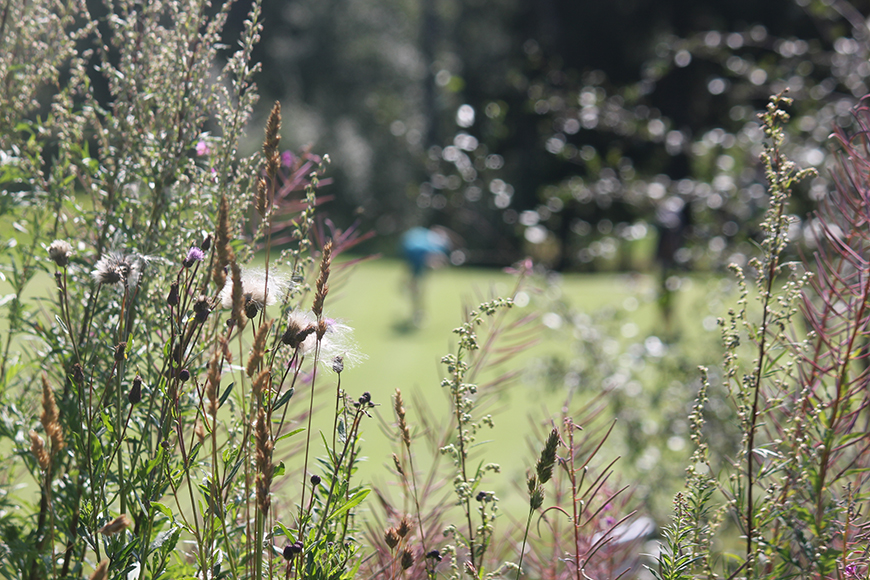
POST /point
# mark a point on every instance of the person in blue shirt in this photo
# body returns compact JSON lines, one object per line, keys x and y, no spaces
{"x":423,"y":248}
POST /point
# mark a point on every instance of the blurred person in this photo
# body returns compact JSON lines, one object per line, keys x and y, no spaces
{"x":423,"y":248}
{"x":674,"y":223}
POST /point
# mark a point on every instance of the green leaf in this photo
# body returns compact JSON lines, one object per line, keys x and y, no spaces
{"x":161,"y":508}
{"x":284,"y":399}
{"x":354,"y":501}
{"x":226,"y":394}
{"x":290,"y":434}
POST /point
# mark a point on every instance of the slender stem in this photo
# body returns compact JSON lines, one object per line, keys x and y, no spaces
{"x":525,"y":537}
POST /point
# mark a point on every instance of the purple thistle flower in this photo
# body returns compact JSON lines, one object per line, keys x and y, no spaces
{"x":194,"y":254}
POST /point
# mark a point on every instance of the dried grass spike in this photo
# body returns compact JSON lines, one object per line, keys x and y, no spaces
{"x":322,"y":286}
{"x":102,"y":571}
{"x":117,"y":525}
{"x":265,"y":468}
{"x":37,"y":447}
{"x":398,"y":406}
{"x":260,"y":383}
{"x":213,"y":382}
{"x":238,"y":298}
{"x":258,"y":349}
{"x":51,"y":417}
{"x":222,"y":245}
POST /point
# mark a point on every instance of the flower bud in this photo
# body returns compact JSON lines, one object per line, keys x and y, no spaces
{"x":172,"y":299}
{"x":78,"y":376}
{"x":135,"y":394}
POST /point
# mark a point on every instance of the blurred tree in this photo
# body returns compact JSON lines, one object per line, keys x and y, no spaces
{"x":574,"y":130}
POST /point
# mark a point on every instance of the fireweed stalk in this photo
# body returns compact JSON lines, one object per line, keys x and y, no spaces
{"x":803,"y":404}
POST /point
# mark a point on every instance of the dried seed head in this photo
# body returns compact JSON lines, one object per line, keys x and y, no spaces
{"x":258,"y":349}
{"x":260,"y":383}
{"x":206,"y":243}
{"x":201,"y":308}
{"x":112,"y":268}
{"x":273,"y":139}
{"x":338,"y":364}
{"x":407,"y":559}
{"x":50,"y":417}
{"x":117,"y":525}
{"x":404,"y":527}
{"x":399,"y":408}
{"x":60,"y":251}
{"x":299,"y":328}
{"x":398,"y":464}
{"x":544,"y":467}
{"x":536,"y":498}
{"x":135,"y":394}
{"x":252,"y":309}
{"x":37,"y":447}
{"x":257,"y":290}
{"x":322,"y":286}
{"x":224,"y":252}
{"x":101,"y":572}
{"x":121,"y":352}
{"x":391,"y":537}
{"x":78,"y":375}
{"x":237,"y":301}
{"x":213,"y":382}
{"x":262,"y":196}
{"x":199,"y":431}
{"x":172,"y":299}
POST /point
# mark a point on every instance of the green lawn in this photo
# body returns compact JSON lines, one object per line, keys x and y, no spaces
{"x":372,"y":297}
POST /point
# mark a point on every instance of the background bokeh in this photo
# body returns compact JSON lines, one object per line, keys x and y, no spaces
{"x":591,"y":135}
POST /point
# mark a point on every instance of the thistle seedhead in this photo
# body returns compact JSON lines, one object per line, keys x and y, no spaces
{"x":60,"y":252}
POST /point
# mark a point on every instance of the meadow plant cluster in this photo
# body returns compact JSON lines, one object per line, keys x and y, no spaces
{"x":188,"y":342}
{"x":789,"y":500}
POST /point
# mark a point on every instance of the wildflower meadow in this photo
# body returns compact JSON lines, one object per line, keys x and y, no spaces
{"x":179,"y":406}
